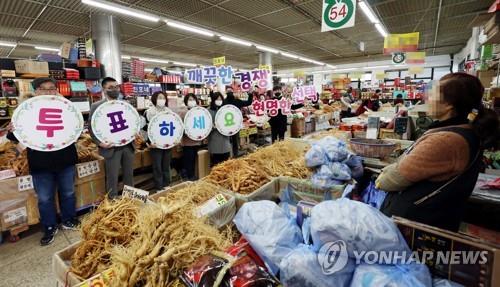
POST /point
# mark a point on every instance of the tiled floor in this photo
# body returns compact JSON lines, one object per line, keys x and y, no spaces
{"x":25,"y":263}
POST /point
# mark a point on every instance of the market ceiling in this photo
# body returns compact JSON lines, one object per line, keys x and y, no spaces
{"x":292,"y":26}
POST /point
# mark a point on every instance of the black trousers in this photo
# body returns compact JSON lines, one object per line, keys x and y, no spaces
{"x":189,"y":154}
{"x":277,"y":133}
{"x":161,"y":167}
{"x":219,"y":157}
{"x":235,"y":141}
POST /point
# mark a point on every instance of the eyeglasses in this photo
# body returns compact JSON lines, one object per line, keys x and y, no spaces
{"x":113,"y":88}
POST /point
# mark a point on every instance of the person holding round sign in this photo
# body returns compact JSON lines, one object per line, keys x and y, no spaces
{"x":165,"y":130}
{"x":49,"y":125}
{"x":114,"y":125}
{"x":219,"y":145}
{"x":197,"y":127}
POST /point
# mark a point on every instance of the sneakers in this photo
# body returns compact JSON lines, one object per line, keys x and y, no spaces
{"x":48,"y":236}
{"x":71,"y":224}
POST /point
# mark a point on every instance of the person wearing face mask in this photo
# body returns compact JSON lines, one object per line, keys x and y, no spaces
{"x":232,"y":100}
{"x":433,"y":180}
{"x":190,"y":147}
{"x":219,"y":146}
{"x":116,"y":157}
{"x":161,"y":157}
{"x":50,"y":171}
{"x":279,"y":122}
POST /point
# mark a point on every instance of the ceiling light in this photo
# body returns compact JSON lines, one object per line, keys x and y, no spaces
{"x":331,"y":66}
{"x":267,"y":49}
{"x":368,"y":12}
{"x":190,"y":28}
{"x":124,"y":57}
{"x":154,"y":60}
{"x":148,"y":69}
{"x":236,"y":41}
{"x":289,"y":55}
{"x":121,"y":9}
{"x":46,"y":48}
{"x":381,"y":30}
{"x":7,"y":44}
{"x":376,"y":67}
{"x":345,"y":70}
{"x":184,"y":64}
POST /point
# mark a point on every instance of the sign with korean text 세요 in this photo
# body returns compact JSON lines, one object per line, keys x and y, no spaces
{"x":272,"y":107}
{"x":338,"y":14}
{"x":116,"y":123}
{"x":301,"y":93}
{"x":228,"y":120}
{"x":165,"y":130}
{"x":198,"y":123}
{"x":209,"y":75}
{"x":219,"y":61}
{"x":47,"y":123}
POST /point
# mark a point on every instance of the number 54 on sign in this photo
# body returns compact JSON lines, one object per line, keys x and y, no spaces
{"x":338,"y":14}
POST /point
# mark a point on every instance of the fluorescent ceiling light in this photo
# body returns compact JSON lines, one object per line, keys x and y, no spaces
{"x":306,"y":60}
{"x":267,"y":49}
{"x":331,"y":66}
{"x":121,"y":9}
{"x":289,"y":55}
{"x":189,"y":28}
{"x":236,"y":41}
{"x":345,"y":70}
{"x":46,"y":48}
{"x":381,"y":30}
{"x":368,"y":12}
{"x":376,"y":67}
{"x":124,"y":57}
{"x":7,"y":44}
{"x":184,"y":64}
{"x":154,"y":60}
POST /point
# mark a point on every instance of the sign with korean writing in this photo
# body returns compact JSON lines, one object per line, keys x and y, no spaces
{"x":401,"y":43}
{"x":415,"y":58}
{"x":272,"y":107}
{"x":198,"y":123}
{"x":136,"y":193}
{"x":301,"y":93}
{"x":116,"y":123}
{"x":257,"y":76}
{"x":209,"y":75}
{"x":228,"y":120}
{"x":165,"y":130}
{"x":211,"y":205}
{"x":219,"y":61}
{"x":25,"y":183}
{"x":88,"y":168}
{"x":338,"y":14}
{"x":47,"y":123}
{"x":265,"y":67}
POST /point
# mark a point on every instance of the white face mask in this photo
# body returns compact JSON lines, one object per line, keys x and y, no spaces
{"x":218,"y":103}
{"x":191,"y":104}
{"x":161,"y":103}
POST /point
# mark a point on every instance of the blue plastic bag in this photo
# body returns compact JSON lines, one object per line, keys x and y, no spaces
{"x":355,"y":163}
{"x":360,"y":226}
{"x":373,"y":196}
{"x":315,"y":156}
{"x":302,"y":268}
{"x":324,"y":181}
{"x":410,"y":275}
{"x":439,"y":282}
{"x":269,"y":230}
{"x":335,"y":149}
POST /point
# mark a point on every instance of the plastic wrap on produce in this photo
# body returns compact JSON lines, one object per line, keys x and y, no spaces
{"x":324,"y":181}
{"x":335,"y":149}
{"x":335,"y":170}
{"x":302,"y":268}
{"x":439,"y":282}
{"x":362,"y":227}
{"x":315,"y":156}
{"x":355,"y":163}
{"x":269,"y":230}
{"x":411,"y":275}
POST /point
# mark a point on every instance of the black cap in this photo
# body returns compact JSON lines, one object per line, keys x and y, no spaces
{"x":39,"y":81}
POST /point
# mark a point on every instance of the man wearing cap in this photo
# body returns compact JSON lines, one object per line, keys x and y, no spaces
{"x":51,"y":170}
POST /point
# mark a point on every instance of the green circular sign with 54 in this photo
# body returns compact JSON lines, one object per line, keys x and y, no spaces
{"x":338,"y":12}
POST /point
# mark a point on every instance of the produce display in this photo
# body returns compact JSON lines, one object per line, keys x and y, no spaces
{"x":245,"y":175}
{"x":10,"y":158}
{"x":86,"y":148}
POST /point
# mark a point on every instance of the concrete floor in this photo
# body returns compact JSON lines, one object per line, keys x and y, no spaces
{"x":27,"y":264}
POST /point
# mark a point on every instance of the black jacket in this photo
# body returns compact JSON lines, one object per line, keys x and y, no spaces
{"x":52,"y":161}
{"x":231,"y":100}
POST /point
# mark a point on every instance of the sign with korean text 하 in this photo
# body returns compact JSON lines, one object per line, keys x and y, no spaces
{"x":115,"y":123}
{"x":198,"y":123}
{"x":338,"y":14}
{"x":47,"y":123}
{"x":165,"y":130}
{"x":228,"y":120}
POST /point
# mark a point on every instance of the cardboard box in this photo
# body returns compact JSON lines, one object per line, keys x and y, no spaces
{"x":101,"y":174}
{"x":137,"y":159}
{"x":13,"y":210}
{"x":61,"y":261}
{"x":32,"y":67}
{"x":90,"y":192}
{"x":421,"y":237}
{"x":147,"y":160}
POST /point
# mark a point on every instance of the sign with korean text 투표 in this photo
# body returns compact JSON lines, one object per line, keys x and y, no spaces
{"x":116,"y":123}
{"x":338,"y":14}
{"x":272,"y":107}
{"x":165,"y":130}
{"x":198,"y":123}
{"x":47,"y":123}
{"x":209,"y":75}
{"x":228,"y":120}
{"x":301,"y":93}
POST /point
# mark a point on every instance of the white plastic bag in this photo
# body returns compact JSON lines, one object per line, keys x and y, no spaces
{"x":315,"y":156}
{"x":411,"y":275}
{"x":335,"y":149}
{"x":439,"y":282}
{"x":269,"y":230}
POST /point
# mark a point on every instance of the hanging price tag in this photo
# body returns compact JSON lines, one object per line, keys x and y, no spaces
{"x":25,"y":183}
{"x":88,"y":168}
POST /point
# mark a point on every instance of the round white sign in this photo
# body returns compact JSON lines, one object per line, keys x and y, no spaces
{"x":198,"y":123}
{"x":115,"y":123}
{"x":47,"y":123}
{"x":228,"y":120}
{"x":165,"y":130}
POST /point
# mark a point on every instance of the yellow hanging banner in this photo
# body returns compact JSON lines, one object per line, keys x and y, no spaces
{"x":265,"y":67}
{"x":415,"y":70}
{"x":219,"y":61}
{"x":394,"y":43}
{"x":380,"y":75}
{"x":415,"y":58}
{"x":355,"y":75}
{"x":299,"y":74}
